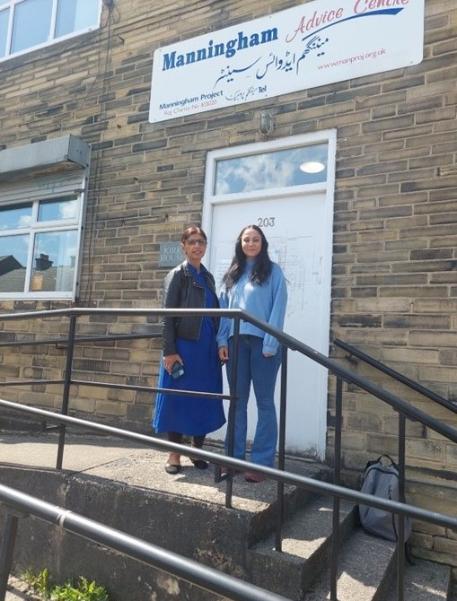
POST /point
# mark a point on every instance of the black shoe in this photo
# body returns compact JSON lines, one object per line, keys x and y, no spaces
{"x":225,"y":473}
{"x":200,"y":464}
{"x":172,"y":469}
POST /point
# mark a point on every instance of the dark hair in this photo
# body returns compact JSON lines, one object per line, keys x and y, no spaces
{"x":193,"y":229}
{"x":262,"y":266}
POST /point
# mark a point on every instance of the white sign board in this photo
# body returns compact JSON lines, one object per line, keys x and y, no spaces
{"x":306,"y":46}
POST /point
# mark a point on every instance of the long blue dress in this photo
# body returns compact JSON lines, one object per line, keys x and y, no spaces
{"x":193,"y":416}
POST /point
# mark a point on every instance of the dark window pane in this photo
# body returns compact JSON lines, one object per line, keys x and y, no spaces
{"x":76,"y":15}
{"x":57,"y":209}
{"x":13,"y":261}
{"x":31,"y":24}
{"x":4,"y":14}
{"x":54,"y":260}
{"x":14,"y":217}
{"x":277,"y":169}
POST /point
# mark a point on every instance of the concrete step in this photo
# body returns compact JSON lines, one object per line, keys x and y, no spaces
{"x":306,"y":548}
{"x":127,"y":488}
{"x":364,"y":570}
{"x":263,"y":522}
{"x":424,"y":581}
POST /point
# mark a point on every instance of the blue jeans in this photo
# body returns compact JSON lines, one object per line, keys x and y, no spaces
{"x":261,"y":371}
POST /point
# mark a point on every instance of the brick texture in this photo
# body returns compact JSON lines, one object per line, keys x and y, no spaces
{"x":394,"y":289}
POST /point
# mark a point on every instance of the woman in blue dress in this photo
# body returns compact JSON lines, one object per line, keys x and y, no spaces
{"x":190,"y":355}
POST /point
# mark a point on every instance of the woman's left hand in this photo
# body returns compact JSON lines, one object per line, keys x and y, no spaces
{"x":223,"y":354}
{"x":266,"y":355}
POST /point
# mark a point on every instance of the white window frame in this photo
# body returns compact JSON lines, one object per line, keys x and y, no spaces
{"x":38,"y":227}
{"x":312,"y":139}
{"x":11,"y":5}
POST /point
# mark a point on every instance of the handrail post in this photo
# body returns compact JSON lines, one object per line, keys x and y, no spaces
{"x":281,"y":448}
{"x":6,"y":551}
{"x":66,"y":387}
{"x":401,"y":517}
{"x":336,"y":480}
{"x":233,"y":383}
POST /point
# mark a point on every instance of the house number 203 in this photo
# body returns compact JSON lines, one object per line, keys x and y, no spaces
{"x":266,"y":221}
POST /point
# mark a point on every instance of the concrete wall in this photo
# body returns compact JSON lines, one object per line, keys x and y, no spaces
{"x":394,"y":267}
{"x":137,"y":512}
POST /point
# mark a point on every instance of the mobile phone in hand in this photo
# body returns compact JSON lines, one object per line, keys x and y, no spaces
{"x":177,"y":370}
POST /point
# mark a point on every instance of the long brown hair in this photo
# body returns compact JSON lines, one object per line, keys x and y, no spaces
{"x":262,"y":266}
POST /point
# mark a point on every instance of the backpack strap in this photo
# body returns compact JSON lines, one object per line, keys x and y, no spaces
{"x":389,"y":458}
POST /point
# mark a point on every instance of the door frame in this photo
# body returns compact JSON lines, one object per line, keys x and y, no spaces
{"x":325,"y":188}
{"x":322,"y":137}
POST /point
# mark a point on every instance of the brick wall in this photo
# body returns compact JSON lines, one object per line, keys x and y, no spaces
{"x":395,"y":264}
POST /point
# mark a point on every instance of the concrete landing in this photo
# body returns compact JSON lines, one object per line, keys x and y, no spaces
{"x":126,"y":487}
{"x":123,"y":462}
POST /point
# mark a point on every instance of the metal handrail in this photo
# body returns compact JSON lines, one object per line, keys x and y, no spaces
{"x":396,"y":375}
{"x":153,"y":555}
{"x":63,"y":341}
{"x":289,"y":341}
{"x":403,"y":408}
{"x":378,"y":391}
{"x":131,"y":546}
{"x":278,"y":475}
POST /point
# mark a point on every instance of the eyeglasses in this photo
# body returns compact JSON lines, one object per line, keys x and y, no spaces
{"x":196,"y":242}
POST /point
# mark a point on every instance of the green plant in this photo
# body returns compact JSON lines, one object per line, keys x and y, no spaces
{"x":86,"y":591}
{"x":83,"y":590}
{"x":39,"y":582}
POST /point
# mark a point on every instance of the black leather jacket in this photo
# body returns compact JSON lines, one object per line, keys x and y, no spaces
{"x":182,"y":292}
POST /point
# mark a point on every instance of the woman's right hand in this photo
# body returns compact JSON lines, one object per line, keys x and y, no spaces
{"x":223,"y":354}
{"x":170,"y":360}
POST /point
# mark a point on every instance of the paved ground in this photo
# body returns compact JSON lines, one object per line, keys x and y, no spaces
{"x":118,"y":460}
{"x":18,"y":591}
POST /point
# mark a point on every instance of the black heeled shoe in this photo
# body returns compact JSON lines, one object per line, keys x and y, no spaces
{"x":200,"y":464}
{"x":225,"y":473}
{"x":172,"y":469}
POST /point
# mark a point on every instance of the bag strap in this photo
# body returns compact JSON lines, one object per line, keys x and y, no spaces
{"x":390,"y":459}
{"x":378,"y":460}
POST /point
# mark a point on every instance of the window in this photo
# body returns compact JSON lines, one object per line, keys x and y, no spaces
{"x":39,"y":247}
{"x":277,"y":169}
{"x":29,"y":24}
{"x":4,"y":15}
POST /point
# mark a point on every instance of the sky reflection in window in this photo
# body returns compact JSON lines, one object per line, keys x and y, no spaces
{"x":279,"y":169}
{"x":4,"y":15}
{"x":15,"y":217}
{"x":32,"y":19}
{"x":57,"y":209}
{"x":76,"y":15}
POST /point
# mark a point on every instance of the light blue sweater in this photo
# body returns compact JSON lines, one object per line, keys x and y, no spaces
{"x":266,"y":302}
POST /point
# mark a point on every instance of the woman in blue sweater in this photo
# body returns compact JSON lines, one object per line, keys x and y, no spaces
{"x":257,"y":285}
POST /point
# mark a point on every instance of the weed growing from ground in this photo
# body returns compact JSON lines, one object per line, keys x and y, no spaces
{"x":82,"y":590}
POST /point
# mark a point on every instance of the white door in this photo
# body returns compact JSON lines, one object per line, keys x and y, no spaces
{"x":292,"y":227}
{"x":260,"y":184}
